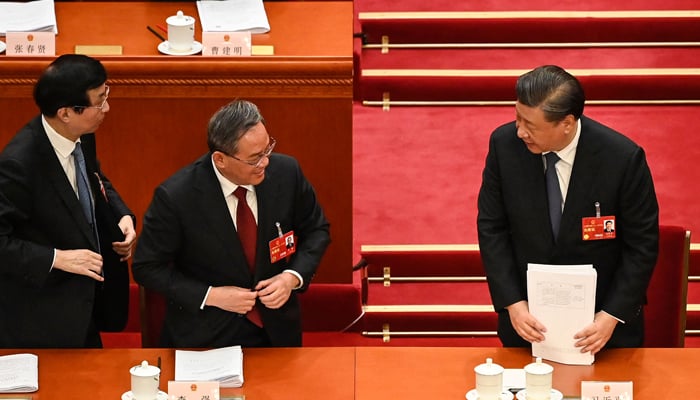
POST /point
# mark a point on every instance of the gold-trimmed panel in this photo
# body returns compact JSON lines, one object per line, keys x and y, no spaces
{"x":385,"y":45}
{"x":518,"y":72}
{"x":649,"y":14}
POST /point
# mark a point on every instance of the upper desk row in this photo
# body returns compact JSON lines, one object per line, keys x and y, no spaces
{"x":298,"y":28}
{"x":365,"y":373}
{"x":160,"y":104}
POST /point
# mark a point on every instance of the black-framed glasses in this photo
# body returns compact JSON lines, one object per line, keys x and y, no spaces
{"x":101,"y":106}
{"x":266,"y":153}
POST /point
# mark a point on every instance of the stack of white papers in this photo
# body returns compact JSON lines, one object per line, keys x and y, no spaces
{"x":562,"y":298}
{"x":19,"y":373}
{"x":224,"y":365}
{"x":233,"y":16}
{"x":34,"y":16}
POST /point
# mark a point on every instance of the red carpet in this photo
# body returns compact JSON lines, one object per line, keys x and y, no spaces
{"x":417,"y":170}
{"x":511,"y":58}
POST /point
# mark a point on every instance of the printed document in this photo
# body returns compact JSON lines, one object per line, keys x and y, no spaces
{"x":33,"y":16}
{"x":19,"y":373}
{"x":224,"y":365}
{"x":233,"y":16}
{"x":562,"y":298}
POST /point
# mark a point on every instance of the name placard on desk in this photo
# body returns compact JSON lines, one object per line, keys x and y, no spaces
{"x":193,"y":390}
{"x":603,"y":390}
{"x":30,"y":44}
{"x":226,"y":44}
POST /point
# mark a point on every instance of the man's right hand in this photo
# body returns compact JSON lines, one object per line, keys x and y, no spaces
{"x":524,"y":323}
{"x":232,"y":298}
{"x":81,"y":262}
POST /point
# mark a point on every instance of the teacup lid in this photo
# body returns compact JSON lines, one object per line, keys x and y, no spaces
{"x":180,"y":19}
{"x":538,"y":367}
{"x":144,"y":369}
{"x":488,"y":368}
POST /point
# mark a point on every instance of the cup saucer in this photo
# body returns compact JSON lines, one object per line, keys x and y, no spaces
{"x":555,"y":395}
{"x":129,"y":396}
{"x":474,"y":395}
{"x":164,"y":48}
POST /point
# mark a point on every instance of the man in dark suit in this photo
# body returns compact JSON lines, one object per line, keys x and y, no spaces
{"x":193,"y":250}
{"x":599,"y":171}
{"x":63,"y":272}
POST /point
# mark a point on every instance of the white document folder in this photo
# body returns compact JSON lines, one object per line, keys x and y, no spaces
{"x":562,"y":298}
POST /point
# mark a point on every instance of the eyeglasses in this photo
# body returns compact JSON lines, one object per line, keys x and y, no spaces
{"x":101,"y":106}
{"x":266,"y":153}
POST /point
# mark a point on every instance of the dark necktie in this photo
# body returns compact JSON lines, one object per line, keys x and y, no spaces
{"x":246,"y":227}
{"x":83,"y":187}
{"x":248,"y":235}
{"x":554,"y":197}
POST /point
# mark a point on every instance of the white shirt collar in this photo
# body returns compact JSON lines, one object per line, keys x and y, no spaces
{"x":227,"y":187}
{"x":568,"y":153}
{"x":61,"y":145}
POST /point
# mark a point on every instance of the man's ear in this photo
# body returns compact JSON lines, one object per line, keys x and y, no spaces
{"x":63,"y":114}
{"x":218,"y":158}
{"x":569,"y":123}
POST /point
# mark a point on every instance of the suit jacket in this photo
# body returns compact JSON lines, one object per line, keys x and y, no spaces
{"x":40,"y":212}
{"x":514,"y":229}
{"x":189,"y":242}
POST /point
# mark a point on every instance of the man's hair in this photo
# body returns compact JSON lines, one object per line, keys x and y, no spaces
{"x":552,"y":89}
{"x":66,"y":81}
{"x":230,"y":123}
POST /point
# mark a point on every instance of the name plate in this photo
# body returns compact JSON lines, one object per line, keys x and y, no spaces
{"x":193,"y":390}
{"x":31,"y":44}
{"x":226,"y":44}
{"x":98,"y":50}
{"x":602,"y":390}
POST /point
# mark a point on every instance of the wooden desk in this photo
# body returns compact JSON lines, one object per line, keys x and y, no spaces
{"x":160,"y":105}
{"x":308,"y":373}
{"x":364,"y":373}
{"x":448,"y":373}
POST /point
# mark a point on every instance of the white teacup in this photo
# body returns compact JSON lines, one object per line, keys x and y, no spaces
{"x":145,"y":380}
{"x":489,"y":380}
{"x":180,"y":32}
{"x":538,"y":380}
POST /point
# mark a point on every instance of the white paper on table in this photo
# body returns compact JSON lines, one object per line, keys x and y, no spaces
{"x":562,"y":298}
{"x":19,"y":373}
{"x":223,"y":364}
{"x":233,"y":15}
{"x":33,"y":16}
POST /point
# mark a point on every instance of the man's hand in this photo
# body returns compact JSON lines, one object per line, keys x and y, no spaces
{"x":81,"y":262}
{"x":274,"y":292}
{"x":594,"y":336}
{"x":525,"y":324}
{"x":232,"y":298}
{"x":126,"y":224}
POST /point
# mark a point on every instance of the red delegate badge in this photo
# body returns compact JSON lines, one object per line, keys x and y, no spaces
{"x":282,"y":246}
{"x":597,"y":228}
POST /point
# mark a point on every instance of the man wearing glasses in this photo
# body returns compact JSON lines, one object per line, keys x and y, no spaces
{"x":214,"y":240}
{"x":65,"y":233}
